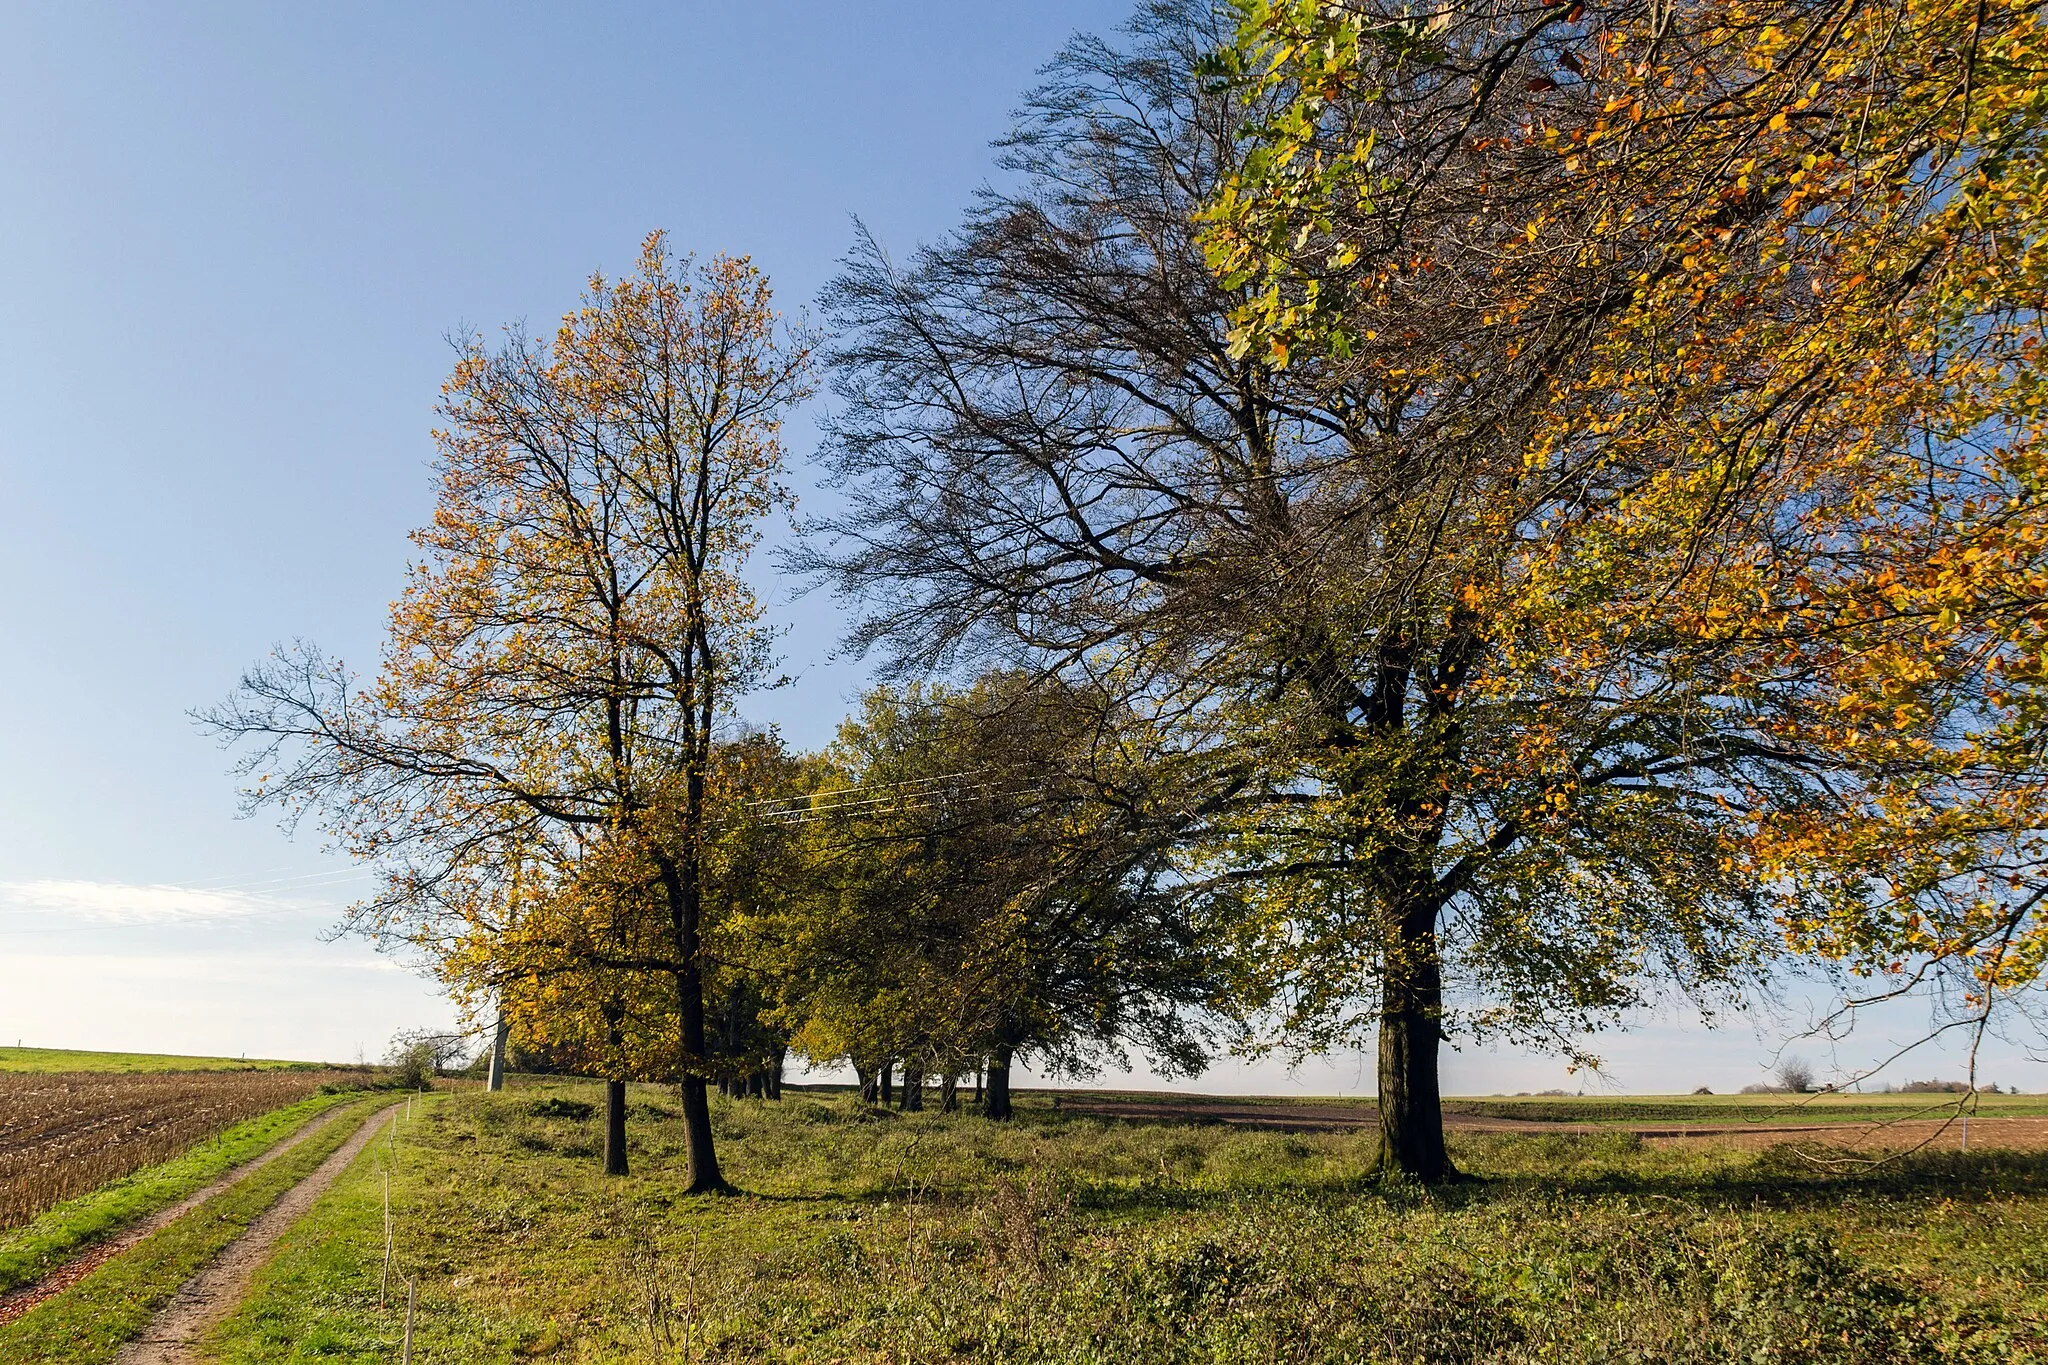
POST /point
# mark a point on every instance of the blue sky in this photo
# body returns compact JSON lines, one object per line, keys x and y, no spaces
{"x":233,"y":240}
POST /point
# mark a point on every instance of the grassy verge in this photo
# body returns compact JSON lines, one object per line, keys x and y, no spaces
{"x":30,"y":1251}
{"x":927,"y":1238}
{"x":87,"y":1323}
{"x":65,"y":1059}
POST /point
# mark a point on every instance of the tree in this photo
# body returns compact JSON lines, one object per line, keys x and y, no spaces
{"x":755,"y":865}
{"x":980,"y":898}
{"x":1796,"y":1076}
{"x":554,"y":674}
{"x":1306,"y":579}
{"x":1845,"y":514}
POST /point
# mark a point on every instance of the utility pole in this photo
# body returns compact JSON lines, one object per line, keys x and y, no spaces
{"x":503,"y":1030}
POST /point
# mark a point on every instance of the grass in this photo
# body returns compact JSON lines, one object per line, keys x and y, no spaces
{"x":28,"y":1252}
{"x":88,"y":1323}
{"x":889,"y":1237}
{"x":64,"y":1059}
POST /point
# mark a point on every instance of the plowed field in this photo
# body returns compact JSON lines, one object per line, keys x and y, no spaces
{"x":61,"y":1135}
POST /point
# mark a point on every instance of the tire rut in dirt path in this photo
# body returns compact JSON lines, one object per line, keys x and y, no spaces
{"x":172,"y":1335}
{"x":57,"y":1279}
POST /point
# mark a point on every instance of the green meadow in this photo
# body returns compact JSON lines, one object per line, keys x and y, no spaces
{"x":57,"y":1059}
{"x":872,"y":1235}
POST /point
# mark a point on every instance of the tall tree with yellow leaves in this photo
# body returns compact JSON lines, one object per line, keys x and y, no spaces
{"x":575,"y":633}
{"x":1796,"y":436}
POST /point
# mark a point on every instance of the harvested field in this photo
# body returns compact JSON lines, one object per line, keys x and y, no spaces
{"x":62,"y":1135}
{"x":1890,"y":1124}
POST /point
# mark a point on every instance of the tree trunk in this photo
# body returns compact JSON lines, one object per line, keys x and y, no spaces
{"x":913,"y":1090}
{"x":679,"y":879}
{"x":998,"y":1107}
{"x":883,"y":1084}
{"x":775,"y":1074}
{"x":498,"y":1037}
{"x":949,"y":1092}
{"x":614,"y":1127}
{"x":864,"y":1081}
{"x":977,"y":1084}
{"x":1411,"y":1029}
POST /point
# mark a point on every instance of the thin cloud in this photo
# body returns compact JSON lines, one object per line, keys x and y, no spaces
{"x":127,"y":903}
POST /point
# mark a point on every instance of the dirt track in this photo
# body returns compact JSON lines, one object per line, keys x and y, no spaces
{"x":210,"y":1295}
{"x":2026,"y":1133}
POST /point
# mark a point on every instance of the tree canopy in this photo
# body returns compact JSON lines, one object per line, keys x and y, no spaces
{"x":532,"y":766}
{"x":1822,"y":357}
{"x":1388,"y":523}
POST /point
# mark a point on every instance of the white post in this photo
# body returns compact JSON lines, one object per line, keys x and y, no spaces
{"x":499,"y":1037}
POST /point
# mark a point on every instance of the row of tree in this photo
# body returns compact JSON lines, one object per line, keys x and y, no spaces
{"x":1446,"y":519}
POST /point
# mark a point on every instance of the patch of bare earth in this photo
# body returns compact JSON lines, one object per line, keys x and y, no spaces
{"x":64,"y":1134}
{"x":2026,"y":1133}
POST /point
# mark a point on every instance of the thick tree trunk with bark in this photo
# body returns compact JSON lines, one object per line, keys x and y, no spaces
{"x":685,"y":909}
{"x":865,"y":1081}
{"x":1411,"y":1030}
{"x":998,"y":1105}
{"x":1412,"y":979}
{"x":885,"y":1085}
{"x":913,"y":1090}
{"x":949,"y":1092}
{"x":775,"y":1074}
{"x":614,"y":1127}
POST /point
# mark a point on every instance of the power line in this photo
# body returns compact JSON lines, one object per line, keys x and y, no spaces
{"x":911,"y":794}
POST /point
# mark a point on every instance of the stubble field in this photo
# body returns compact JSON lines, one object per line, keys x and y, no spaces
{"x":63,"y":1134}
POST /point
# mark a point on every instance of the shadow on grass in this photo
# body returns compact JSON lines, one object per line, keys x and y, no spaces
{"x":1798,"y":1175}
{"x":1779,"y":1179}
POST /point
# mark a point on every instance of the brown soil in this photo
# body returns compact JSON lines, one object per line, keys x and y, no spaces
{"x":24,"y":1297}
{"x":2027,"y":1133}
{"x":210,"y":1295}
{"x":64,"y":1134}
{"x":1292,"y":1118}
{"x":2021,"y":1132}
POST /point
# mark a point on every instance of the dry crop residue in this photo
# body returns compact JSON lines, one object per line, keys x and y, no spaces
{"x":62,"y":1135}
